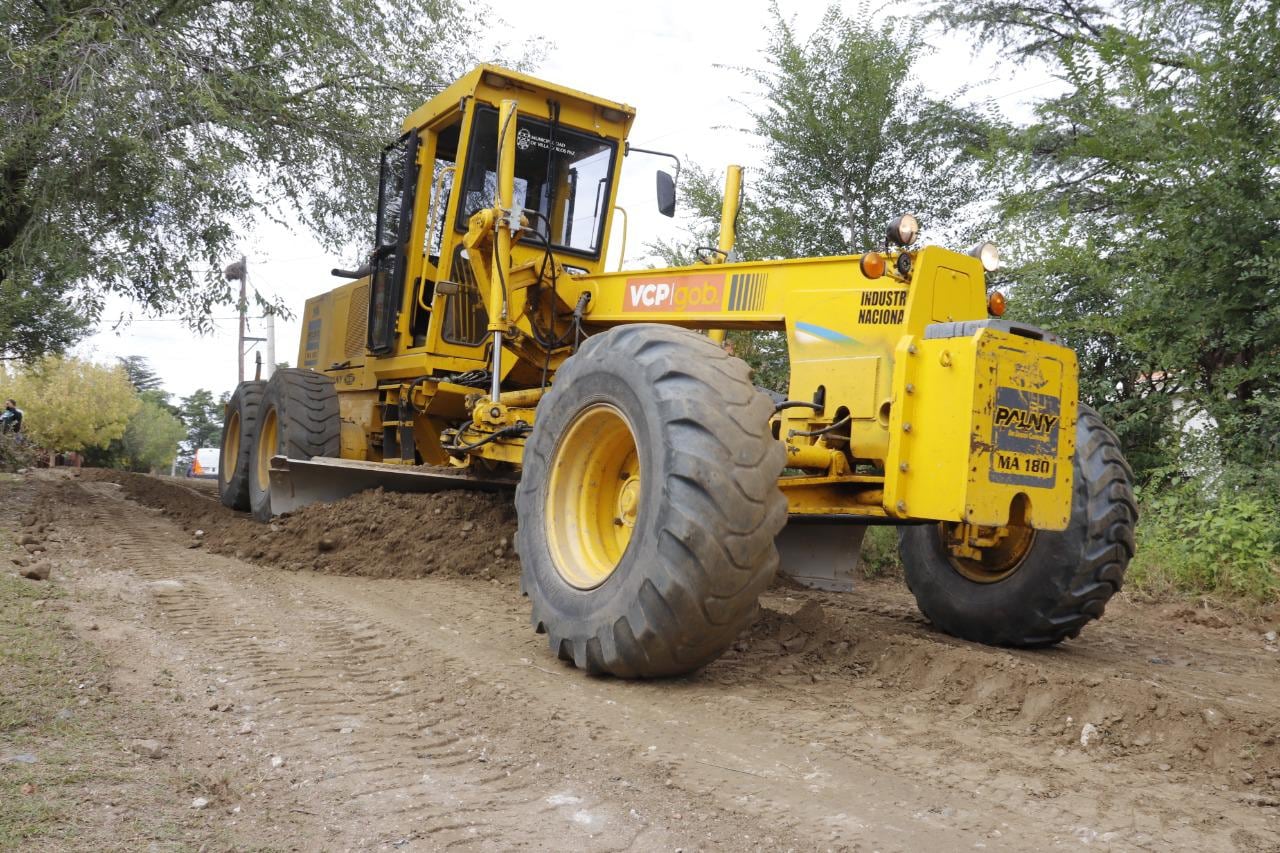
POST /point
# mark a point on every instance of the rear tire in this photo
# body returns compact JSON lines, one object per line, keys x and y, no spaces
{"x":239,"y":432}
{"x":1065,"y":579}
{"x":673,"y":592}
{"x":298,"y":418}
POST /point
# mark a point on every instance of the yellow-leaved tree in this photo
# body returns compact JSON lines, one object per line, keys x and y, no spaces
{"x":71,"y":403}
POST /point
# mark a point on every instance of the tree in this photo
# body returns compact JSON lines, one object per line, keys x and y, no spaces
{"x":151,"y":438}
{"x":37,"y":317}
{"x":1143,"y":206}
{"x":850,"y":140}
{"x":140,"y":374}
{"x":72,"y":404}
{"x":136,"y":134}
{"x":202,"y":417}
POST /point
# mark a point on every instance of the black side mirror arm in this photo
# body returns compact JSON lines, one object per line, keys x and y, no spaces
{"x":666,"y":188}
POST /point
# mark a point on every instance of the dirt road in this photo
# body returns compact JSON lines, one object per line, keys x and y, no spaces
{"x":421,"y":713}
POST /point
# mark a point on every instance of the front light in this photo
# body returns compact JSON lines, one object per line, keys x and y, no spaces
{"x":996,"y":304}
{"x":988,"y":254}
{"x":904,"y":230}
{"x":872,"y":265}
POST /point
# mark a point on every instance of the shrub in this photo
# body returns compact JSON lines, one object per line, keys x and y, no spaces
{"x":15,"y":453}
{"x":880,"y":552}
{"x":1221,"y":541}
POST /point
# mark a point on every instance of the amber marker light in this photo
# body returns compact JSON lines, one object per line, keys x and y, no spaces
{"x":996,"y":304}
{"x":872,"y":264}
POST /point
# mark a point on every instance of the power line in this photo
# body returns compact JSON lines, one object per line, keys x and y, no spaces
{"x":1020,"y":91}
{"x":182,"y":320}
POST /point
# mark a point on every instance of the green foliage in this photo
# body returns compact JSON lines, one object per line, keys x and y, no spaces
{"x":15,"y":452}
{"x":1193,"y":543}
{"x":72,"y":404}
{"x":1142,"y":210}
{"x":202,"y":417}
{"x":37,"y":316}
{"x":150,"y":441}
{"x":766,"y":352}
{"x":135,"y":134}
{"x":850,"y":140}
{"x":880,"y":552}
{"x":140,"y":374}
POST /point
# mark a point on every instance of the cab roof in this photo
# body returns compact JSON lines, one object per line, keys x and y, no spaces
{"x":493,"y":83}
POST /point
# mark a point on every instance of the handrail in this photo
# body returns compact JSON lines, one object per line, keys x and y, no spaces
{"x":622,"y":255}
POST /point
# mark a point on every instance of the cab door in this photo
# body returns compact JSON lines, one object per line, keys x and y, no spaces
{"x":397,"y":190}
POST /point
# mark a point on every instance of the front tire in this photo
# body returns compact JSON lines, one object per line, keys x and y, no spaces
{"x":239,"y":432}
{"x":1062,"y":581}
{"x":298,"y":418}
{"x":648,"y":503}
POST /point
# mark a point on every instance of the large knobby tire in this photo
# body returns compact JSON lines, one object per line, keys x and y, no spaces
{"x":674,"y":554}
{"x":1065,"y":578}
{"x":239,"y":432}
{"x":298,"y":418}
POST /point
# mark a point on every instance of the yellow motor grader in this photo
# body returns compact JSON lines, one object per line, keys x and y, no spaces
{"x":485,"y":346}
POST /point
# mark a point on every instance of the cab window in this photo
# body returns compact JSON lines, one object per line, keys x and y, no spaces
{"x":562,"y":179}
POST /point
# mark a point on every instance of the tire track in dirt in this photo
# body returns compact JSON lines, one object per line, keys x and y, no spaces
{"x":377,"y":719}
{"x":381,"y":740}
{"x":990,"y":776}
{"x":836,"y":719}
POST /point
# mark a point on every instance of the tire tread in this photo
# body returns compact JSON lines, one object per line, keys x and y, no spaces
{"x":1111,"y":514}
{"x":716,"y":537}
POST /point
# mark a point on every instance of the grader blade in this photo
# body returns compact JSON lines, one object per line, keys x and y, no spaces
{"x":820,"y":553}
{"x":296,"y":483}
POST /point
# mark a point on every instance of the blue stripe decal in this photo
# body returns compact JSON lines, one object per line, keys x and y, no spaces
{"x":824,"y":333}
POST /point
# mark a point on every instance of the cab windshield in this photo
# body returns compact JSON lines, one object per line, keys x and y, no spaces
{"x":562,"y":179}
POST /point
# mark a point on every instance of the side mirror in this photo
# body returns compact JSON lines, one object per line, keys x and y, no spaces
{"x":666,"y":194}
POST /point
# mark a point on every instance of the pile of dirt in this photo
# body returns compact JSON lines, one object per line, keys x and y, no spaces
{"x":389,"y":534}
{"x":1156,"y":711}
{"x":801,"y":632}
{"x":374,"y":534}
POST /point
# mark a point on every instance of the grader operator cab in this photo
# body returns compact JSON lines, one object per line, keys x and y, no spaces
{"x":484,"y":346}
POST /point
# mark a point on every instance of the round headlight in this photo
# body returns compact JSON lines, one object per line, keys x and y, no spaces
{"x":988,"y":254}
{"x":904,"y":230}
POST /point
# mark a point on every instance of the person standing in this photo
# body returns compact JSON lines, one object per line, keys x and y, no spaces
{"x":11,"y":418}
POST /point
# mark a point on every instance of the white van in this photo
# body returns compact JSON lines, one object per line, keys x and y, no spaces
{"x":205,"y":463}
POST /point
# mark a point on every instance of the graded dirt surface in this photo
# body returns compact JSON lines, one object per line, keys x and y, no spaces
{"x":413,"y":708}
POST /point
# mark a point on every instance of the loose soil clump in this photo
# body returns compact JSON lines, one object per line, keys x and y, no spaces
{"x":373,"y":534}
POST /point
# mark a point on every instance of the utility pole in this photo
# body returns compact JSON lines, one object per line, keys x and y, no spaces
{"x":271,"y":343}
{"x":239,"y":271}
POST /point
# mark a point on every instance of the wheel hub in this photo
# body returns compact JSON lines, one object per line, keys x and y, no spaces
{"x":986,"y":554}
{"x":629,"y":501}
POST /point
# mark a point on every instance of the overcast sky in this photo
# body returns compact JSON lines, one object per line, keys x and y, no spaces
{"x":672,"y":60}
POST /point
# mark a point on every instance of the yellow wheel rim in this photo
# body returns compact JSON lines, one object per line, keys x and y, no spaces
{"x":593,"y":496}
{"x":231,"y":447}
{"x":268,"y":441}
